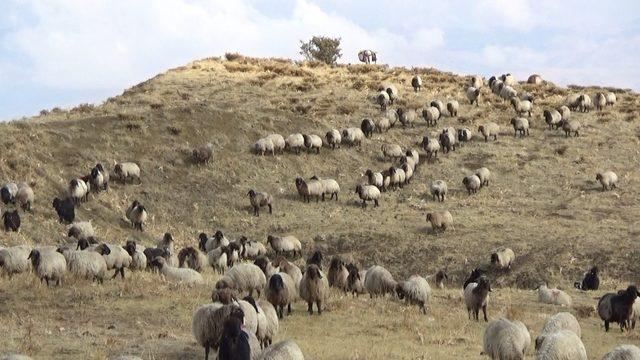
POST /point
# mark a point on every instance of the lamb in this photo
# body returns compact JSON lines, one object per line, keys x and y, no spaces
{"x":473,"y":94}
{"x":268,"y":324}
{"x":623,"y":352}
{"x":608,"y":179}
{"x":407,"y":117}
{"x":251,"y":249}
{"x":440,"y":220}
{"x":329,"y":187}
{"x":448,"y":140}
{"x":48,"y":265}
{"x":368,"y":193}
{"x":284,"y":350}
{"x":260,"y":199}
{"x":14,"y":260}
{"x":285,"y":244}
{"x":312,"y":142}
{"x":234,"y":342}
{"x":431,"y":115}
{"x":8,"y":193}
{"x":553,"y":118}
{"x":600,"y":101}
{"x":375,"y":179}
{"x":378,"y":281}
{"x":25,"y":197}
{"x":78,"y":191}
{"x":281,"y":291}
{"x":294,"y":142}
{"x":137,"y":214}
{"x":476,"y":297}
{"x":367,"y":126}
{"x":416,"y":82}
{"x":11,"y":220}
{"x":484,"y":174}
{"x":571,"y":126}
{"x":464,"y":135}
{"x":415,"y":290}
{"x":471,"y":183}
{"x":81,"y":230}
{"x":611,"y":99}
{"x":203,"y":154}
{"x":355,"y":280}
{"x":86,"y":264}
{"x":553,"y":296}
{"x":520,"y":125}
{"x":352,"y":136}
{"x":383,"y":100}
{"x":338,"y":274}
{"x":558,"y":322}
{"x":138,"y":258}
{"x":505,"y":339}
{"x":127,"y":171}
{"x":392,"y":151}
{"x":618,"y":308}
{"x":193,"y":259}
{"x":243,"y":278}
{"x":263,"y":146}
{"x":452,"y":107}
{"x":488,"y":130}
{"x":563,"y":344}
{"x":313,"y":288}
{"x":502,"y":258}
{"x":590,"y":280}
{"x":65,"y":209}
{"x":207,"y":324}
{"x":534,"y":79}
{"x":439,"y":190}
{"x":278,"y":142}
{"x":333,"y":138}
{"x":431,"y":145}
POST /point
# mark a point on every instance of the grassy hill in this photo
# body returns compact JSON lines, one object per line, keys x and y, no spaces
{"x":544,"y":203}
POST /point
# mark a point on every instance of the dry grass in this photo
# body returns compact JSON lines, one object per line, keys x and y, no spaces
{"x":544,"y":203}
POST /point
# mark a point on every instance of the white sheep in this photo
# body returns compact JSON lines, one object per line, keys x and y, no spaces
{"x":611,"y":99}
{"x":78,"y":190}
{"x":127,"y":171}
{"x":502,"y":258}
{"x":333,"y":138}
{"x":608,"y":180}
{"x":8,"y":192}
{"x":476,"y":81}
{"x":14,"y":260}
{"x":520,"y":125}
{"x":137,"y":214}
{"x":284,"y":350}
{"x":600,"y":101}
{"x":473,"y":94}
{"x":285,"y":244}
{"x":522,"y":106}
{"x":464,"y":135}
{"x":565,"y":113}
{"x":623,"y":352}
{"x":312,"y":142}
{"x":440,"y":220}
{"x":352,"y":136}
{"x":431,"y":115}
{"x":563,"y":344}
{"x":24,"y":196}
{"x":217,"y":259}
{"x":49,"y":266}
{"x":505,"y":339}
{"x":207,"y":324}
{"x":81,"y":230}
{"x":508,"y":79}
{"x":368,"y":193}
{"x":553,"y":296}
{"x":452,"y":107}
{"x":488,"y":130}
{"x":117,"y":258}
{"x":438,"y":189}
{"x":392,"y":151}
{"x":416,"y":82}
{"x":264,"y":146}
{"x":407,"y":117}
{"x":472,"y":183}
{"x":85,"y":264}
{"x":476,"y":297}
{"x":378,"y":281}
{"x":329,"y":187}
{"x":415,"y":290}
{"x":559,"y":321}
{"x":382,"y":99}
{"x":243,"y":278}
{"x":375,"y":178}
{"x":278,"y":142}
{"x":507,"y":92}
{"x":294,"y":142}
{"x":552,"y":118}
{"x":268,"y":323}
{"x":431,"y":145}
{"x":571,"y":126}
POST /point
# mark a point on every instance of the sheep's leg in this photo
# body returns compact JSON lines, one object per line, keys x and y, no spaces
{"x":270,"y":209}
{"x":375,"y":202}
{"x":122,"y":272}
{"x":319,"y":306}
{"x":289,"y":309}
{"x":484,"y":312}
{"x":115,"y":274}
{"x":310,"y":307}
{"x":206,"y":352}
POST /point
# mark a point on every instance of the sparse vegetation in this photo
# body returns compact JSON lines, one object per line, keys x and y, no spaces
{"x":321,"y":48}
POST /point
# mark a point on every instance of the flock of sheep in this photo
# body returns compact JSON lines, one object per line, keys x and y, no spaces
{"x":254,"y":292}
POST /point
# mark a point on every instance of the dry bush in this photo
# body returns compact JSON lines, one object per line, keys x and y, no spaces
{"x":285,"y":69}
{"x":238,"y":67}
{"x":321,"y":48}
{"x":44,"y":112}
{"x":362,"y":68}
{"x":313,"y":64}
{"x":302,"y":109}
{"x":358,"y":84}
{"x":233,"y":56}
{"x":83,"y":108}
{"x":346,"y":109}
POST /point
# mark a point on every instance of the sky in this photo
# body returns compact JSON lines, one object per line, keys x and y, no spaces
{"x":66,"y":52}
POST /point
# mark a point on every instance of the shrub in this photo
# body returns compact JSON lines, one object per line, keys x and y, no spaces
{"x":233,"y":56}
{"x":321,"y":48}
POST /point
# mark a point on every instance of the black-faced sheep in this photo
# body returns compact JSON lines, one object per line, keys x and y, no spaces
{"x":618,"y":307}
{"x":234,"y":342}
{"x":281,"y":292}
{"x":367,"y":126}
{"x":416,"y":82}
{"x":590,"y":281}
{"x":368,"y":193}
{"x":65,"y":209}
{"x":50,"y":266}
{"x":608,"y":180}
{"x":203,"y":154}
{"x":127,"y":171}
{"x":137,"y":214}
{"x":440,"y":221}
{"x":11,"y":220}
{"x":313,"y":288}
{"x":475,"y":297}
{"x":415,"y":290}
{"x":506,"y":339}
{"x":258,"y":200}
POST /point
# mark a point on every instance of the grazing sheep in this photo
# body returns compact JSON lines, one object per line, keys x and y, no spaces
{"x":471,"y":183}
{"x":408,"y":168}
{"x":278,"y":142}
{"x":329,"y":187}
{"x":559,"y":321}
{"x":284,"y":350}
{"x":313,"y":288}
{"x":234,"y":342}
{"x":488,"y":130}
{"x":368,"y":193}
{"x":218,"y":259}
{"x":285,"y":244}
{"x":476,"y":81}
{"x":312,"y":142}
{"x":65,"y":209}
{"x":11,"y":220}
{"x":413,"y":155}
{"x":392,"y":151}
{"x":137,"y":214}
{"x":290,"y":268}
{"x":308,"y":189}
{"x":378,"y":281}
{"x":14,"y":260}
{"x":618,"y":307}
{"x":352,"y":136}
{"x":81,"y":230}
{"x":203,"y":154}
{"x":338,"y":274}
{"x":281,"y":291}
{"x":25,"y":197}
{"x":506,"y":339}
{"x":473,"y":94}
{"x":502,"y":258}
{"x":584,"y":103}
{"x":392,"y":91}
{"x":553,"y":296}
{"x":553,"y":118}
{"x":565,"y":113}
{"x":534,"y":79}
{"x":590,"y":281}
{"x":117,"y":258}
{"x":476,"y":297}
{"x":333,"y":138}
{"x":48,"y":265}
{"x":440,"y":220}
{"x":506,"y":92}
{"x":439,"y":190}
{"x":452,"y":107}
{"x":193,"y":259}
{"x":367,"y":126}
{"x":78,"y":191}
{"x":138,"y":258}
{"x":367,"y":56}
{"x":431,"y":145}
{"x":263,"y":146}
{"x":608,"y":179}
{"x":8,"y":193}
{"x":600,"y":101}
{"x":623,"y":352}
{"x":464,"y":135}
{"x":260,"y":199}
{"x":375,"y":179}
{"x":415,"y":290}
{"x":316,"y":258}
{"x":383,"y":124}
{"x":484,"y":174}
{"x":294,"y":142}
{"x":383,"y":100}
{"x":528,"y":97}
{"x":355,"y":280}
{"x":152,"y":253}
{"x":611,"y":99}
{"x":563,"y":344}
{"x":251,"y":249}
{"x":86,"y":264}
{"x":448,"y":139}
{"x":397,"y":177}
{"x":416,"y":82}
{"x":207,"y":324}
{"x":571,"y":126}
{"x":520,"y":125}
{"x":127,"y":171}
{"x":99,"y":178}
{"x":496,"y":85}
{"x":431,"y":115}
{"x":407,"y":117}
{"x":268,"y":324}
{"x":508,"y":79}
{"x":243,"y":278}
{"x":441,"y":277}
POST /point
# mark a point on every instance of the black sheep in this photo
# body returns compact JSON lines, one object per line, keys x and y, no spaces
{"x":617,"y":308}
{"x":6,"y":195}
{"x":590,"y":280}
{"x":316,"y":258}
{"x":65,"y":209}
{"x":11,"y":220}
{"x":234,"y":343}
{"x":367,"y":126}
{"x":473,"y":277}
